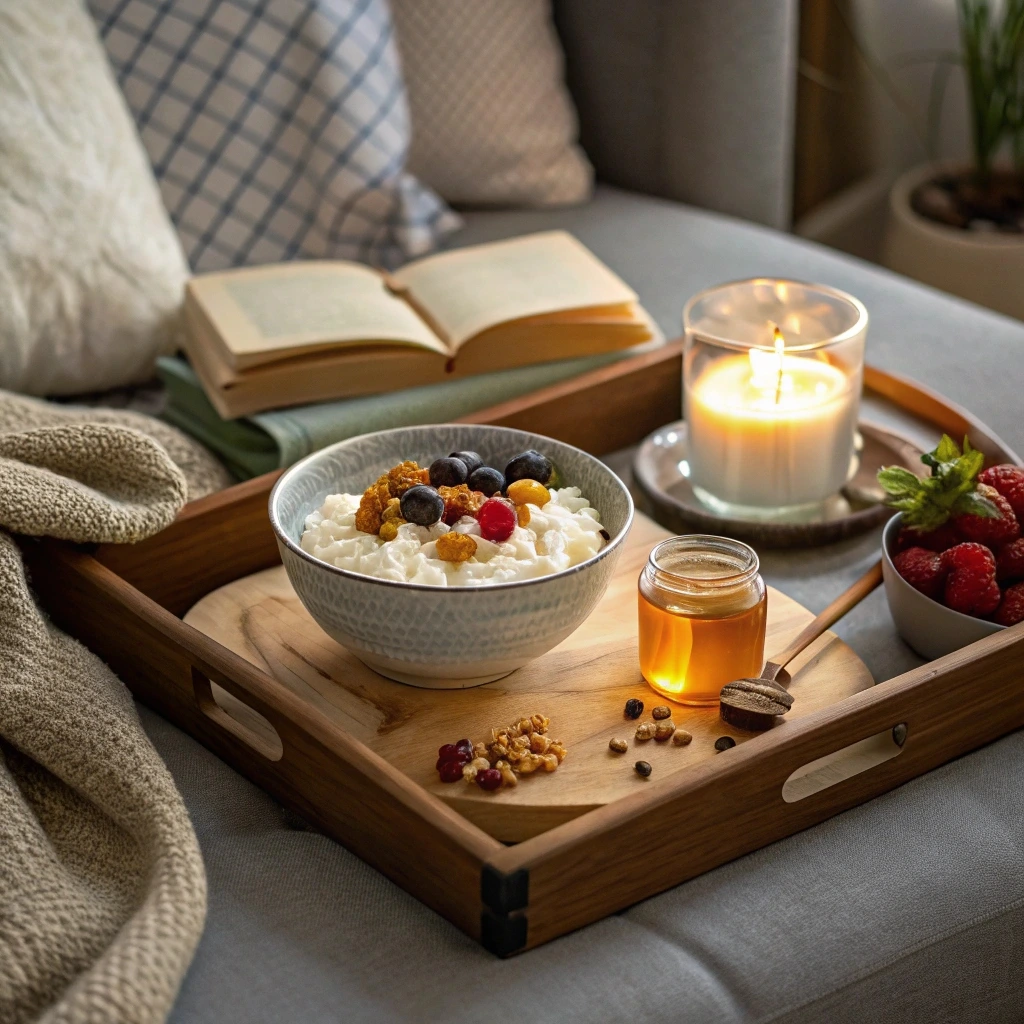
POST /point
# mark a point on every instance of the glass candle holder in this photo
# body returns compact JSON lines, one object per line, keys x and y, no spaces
{"x":772,"y":378}
{"x":702,"y":609}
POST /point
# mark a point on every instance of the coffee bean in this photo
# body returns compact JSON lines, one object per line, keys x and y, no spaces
{"x":618,"y":745}
{"x":634,"y":708}
{"x":645,"y":731}
{"x":681,"y":737}
{"x":724,"y":743}
{"x":661,"y":712}
{"x":643,"y":768}
{"x":663,"y":730}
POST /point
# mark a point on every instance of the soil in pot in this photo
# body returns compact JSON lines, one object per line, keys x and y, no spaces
{"x":973,"y":201}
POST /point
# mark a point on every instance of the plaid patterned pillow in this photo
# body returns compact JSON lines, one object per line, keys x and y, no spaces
{"x":276,"y":128}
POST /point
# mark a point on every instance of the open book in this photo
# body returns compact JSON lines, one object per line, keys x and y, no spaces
{"x":291,"y":333}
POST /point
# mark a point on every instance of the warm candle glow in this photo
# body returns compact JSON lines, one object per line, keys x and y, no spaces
{"x":770,"y":428}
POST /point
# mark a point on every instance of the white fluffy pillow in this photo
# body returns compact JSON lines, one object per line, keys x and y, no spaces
{"x":91,"y":272}
{"x":493,"y":123}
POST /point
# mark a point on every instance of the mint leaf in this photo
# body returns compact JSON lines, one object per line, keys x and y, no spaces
{"x":898,"y":482}
{"x":947,"y":450}
{"x":973,"y":503}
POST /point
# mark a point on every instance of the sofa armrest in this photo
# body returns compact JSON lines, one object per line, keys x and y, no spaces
{"x":688,"y":99}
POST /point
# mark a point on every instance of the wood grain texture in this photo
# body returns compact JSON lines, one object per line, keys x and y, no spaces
{"x":733,"y":804}
{"x":581,"y":686}
{"x":603,"y":410}
{"x":306,"y":761}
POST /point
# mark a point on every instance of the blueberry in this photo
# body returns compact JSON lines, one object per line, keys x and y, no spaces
{"x":529,"y":465}
{"x":488,"y":480}
{"x":471,"y":459}
{"x":448,"y":472}
{"x":422,"y":505}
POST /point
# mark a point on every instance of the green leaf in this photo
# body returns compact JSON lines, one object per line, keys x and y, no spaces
{"x":897,"y":481}
{"x":947,"y":449}
{"x":972,"y":503}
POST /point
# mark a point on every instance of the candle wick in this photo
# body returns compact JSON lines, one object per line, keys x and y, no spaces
{"x":780,"y":348}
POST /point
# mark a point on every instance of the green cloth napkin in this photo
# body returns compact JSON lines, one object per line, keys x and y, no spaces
{"x":256,"y":444}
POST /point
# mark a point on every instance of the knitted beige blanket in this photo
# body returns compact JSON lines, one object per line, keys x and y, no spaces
{"x":102,"y":890}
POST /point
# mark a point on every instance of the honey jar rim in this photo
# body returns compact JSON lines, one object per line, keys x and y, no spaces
{"x":745,"y":563}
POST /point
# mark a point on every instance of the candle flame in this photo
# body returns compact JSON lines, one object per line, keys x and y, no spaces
{"x":767,"y":366}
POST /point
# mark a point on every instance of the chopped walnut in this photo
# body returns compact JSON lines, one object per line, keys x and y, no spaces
{"x":508,"y":777}
{"x":455,"y":547}
{"x":521,"y":748}
{"x":393,"y":510}
{"x":478,"y":764}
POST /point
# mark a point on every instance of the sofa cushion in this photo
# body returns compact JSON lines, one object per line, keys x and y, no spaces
{"x":91,"y":274}
{"x":907,"y":909}
{"x":493,"y":123}
{"x":275,"y":130}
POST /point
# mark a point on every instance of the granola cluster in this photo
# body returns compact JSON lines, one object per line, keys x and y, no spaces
{"x":381,"y":502}
{"x":456,"y":547}
{"x":521,"y":748}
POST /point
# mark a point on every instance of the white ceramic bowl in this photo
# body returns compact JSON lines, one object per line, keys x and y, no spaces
{"x":932,"y":629}
{"x":443,"y":637}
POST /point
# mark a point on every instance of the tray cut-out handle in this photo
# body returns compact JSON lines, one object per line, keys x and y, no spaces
{"x":242,"y":721}
{"x":840,"y":765}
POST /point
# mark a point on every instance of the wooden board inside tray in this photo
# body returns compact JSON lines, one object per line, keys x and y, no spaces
{"x":581,"y":685}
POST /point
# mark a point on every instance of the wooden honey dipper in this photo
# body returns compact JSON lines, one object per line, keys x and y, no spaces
{"x":755,"y":704}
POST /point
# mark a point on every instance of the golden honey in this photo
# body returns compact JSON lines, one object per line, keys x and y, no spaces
{"x":702,"y":615}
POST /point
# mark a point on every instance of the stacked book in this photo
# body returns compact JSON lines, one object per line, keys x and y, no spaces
{"x":288,"y":357}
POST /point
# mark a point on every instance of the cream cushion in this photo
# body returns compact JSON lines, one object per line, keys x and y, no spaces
{"x":492,"y":121}
{"x":91,"y":272}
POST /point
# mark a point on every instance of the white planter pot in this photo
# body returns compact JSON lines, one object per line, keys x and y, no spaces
{"x":987,"y":268}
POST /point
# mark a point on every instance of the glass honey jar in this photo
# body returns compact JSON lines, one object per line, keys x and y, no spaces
{"x":702,"y":614}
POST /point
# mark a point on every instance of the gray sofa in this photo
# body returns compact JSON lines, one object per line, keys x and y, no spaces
{"x":909,"y":908}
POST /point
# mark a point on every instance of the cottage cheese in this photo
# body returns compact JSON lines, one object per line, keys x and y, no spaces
{"x":565,"y":532}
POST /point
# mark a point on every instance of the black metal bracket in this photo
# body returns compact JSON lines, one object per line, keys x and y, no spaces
{"x":503,"y":892}
{"x":502,"y":934}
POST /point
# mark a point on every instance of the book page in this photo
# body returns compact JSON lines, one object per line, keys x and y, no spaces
{"x":472,"y":289}
{"x":270,"y":311}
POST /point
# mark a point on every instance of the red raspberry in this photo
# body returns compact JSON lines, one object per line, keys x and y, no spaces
{"x":1009,"y":482}
{"x":992,"y":531}
{"x":923,"y":570}
{"x":1010,"y":561}
{"x":497,"y":519}
{"x":940,"y":539}
{"x":971,"y":586}
{"x":1011,"y":610}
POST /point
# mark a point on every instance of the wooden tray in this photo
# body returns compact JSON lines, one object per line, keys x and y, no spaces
{"x":581,"y":685}
{"x":125,"y":602}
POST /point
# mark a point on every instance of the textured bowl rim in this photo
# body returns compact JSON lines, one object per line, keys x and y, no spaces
{"x":888,"y":533}
{"x":282,"y":538}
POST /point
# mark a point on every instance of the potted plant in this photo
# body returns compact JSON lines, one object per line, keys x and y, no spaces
{"x":961,"y":228}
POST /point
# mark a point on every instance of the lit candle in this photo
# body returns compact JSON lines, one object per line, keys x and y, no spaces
{"x":772,"y":423}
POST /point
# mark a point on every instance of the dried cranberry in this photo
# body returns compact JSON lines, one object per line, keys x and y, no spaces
{"x":488,"y":778}
{"x":466,"y":746}
{"x":451,"y":771}
{"x":461,"y":759}
{"x":449,"y":752}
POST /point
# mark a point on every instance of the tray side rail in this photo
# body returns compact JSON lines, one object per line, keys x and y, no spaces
{"x":328,"y":777}
{"x":586,"y":869}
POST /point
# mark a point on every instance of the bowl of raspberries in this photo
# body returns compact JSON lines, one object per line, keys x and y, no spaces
{"x":953,"y":558}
